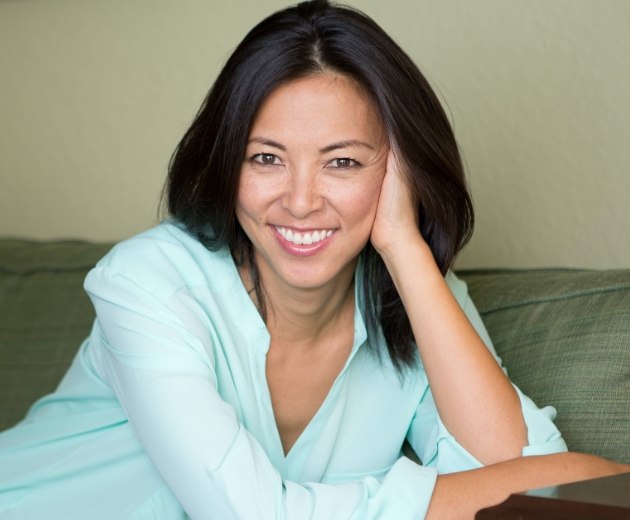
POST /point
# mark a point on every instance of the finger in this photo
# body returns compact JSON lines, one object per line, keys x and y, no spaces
{"x":392,"y":163}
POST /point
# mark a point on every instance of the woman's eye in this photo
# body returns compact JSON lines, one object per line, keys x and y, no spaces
{"x":266,"y":159}
{"x":343,"y":162}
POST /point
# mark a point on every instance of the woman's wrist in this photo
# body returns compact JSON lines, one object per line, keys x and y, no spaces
{"x":408,"y":253}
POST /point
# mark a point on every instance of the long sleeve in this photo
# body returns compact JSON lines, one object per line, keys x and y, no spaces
{"x":434,"y":444}
{"x":162,"y":374}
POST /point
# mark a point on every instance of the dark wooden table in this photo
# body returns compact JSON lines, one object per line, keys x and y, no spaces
{"x":605,"y":498}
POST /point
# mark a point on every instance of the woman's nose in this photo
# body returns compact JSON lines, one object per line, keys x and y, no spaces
{"x":302,"y":196}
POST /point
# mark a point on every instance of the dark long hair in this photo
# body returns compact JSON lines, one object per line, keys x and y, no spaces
{"x":310,"y":38}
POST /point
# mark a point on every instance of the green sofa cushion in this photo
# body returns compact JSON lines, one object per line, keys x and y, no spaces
{"x":564,"y":336}
{"x":44,"y":316}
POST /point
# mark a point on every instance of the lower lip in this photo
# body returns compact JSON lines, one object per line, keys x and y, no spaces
{"x":304,"y":249}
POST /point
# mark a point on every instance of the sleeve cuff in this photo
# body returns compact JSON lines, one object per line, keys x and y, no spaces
{"x":405,"y":492}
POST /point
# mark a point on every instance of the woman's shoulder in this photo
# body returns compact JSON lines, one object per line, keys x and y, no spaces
{"x":166,"y":258}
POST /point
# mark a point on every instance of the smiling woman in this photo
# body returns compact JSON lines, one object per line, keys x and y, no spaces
{"x":266,"y":351}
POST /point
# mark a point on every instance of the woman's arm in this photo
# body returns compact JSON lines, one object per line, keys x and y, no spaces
{"x":459,"y":496}
{"x":475,"y":399}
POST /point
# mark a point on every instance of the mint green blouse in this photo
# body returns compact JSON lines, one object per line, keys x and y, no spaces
{"x":165,"y":412}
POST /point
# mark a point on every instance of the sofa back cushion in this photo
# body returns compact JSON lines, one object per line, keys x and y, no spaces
{"x":44,"y":316}
{"x":564,"y":336}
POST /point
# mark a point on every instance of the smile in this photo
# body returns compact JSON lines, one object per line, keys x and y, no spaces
{"x":309,"y":238}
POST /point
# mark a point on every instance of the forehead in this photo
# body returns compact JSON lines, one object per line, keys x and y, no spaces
{"x":325,"y":105}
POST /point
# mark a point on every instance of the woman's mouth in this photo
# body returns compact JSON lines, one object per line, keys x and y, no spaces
{"x":304,"y":238}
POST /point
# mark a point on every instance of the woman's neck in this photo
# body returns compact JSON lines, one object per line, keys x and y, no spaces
{"x":303,"y":317}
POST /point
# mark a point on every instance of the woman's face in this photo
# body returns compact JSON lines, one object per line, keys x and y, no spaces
{"x":311,"y":180}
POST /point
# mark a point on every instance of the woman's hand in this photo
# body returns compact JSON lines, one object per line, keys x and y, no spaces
{"x":460,"y":495}
{"x":396,"y":221}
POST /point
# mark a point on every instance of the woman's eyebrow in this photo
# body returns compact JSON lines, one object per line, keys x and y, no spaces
{"x":267,"y":142}
{"x":331,"y":147}
{"x":345,"y":144}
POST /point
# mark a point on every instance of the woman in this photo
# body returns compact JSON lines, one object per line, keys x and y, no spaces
{"x":265,"y":352}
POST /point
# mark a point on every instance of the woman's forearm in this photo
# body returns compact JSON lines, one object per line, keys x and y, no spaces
{"x":459,"y":496}
{"x":475,"y":399}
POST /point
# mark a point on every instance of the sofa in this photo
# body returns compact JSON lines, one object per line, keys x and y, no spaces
{"x":564,"y":335}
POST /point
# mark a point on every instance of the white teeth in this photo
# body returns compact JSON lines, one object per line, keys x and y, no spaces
{"x":304,"y":238}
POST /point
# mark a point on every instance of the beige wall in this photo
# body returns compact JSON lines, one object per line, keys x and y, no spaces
{"x":95,"y":95}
